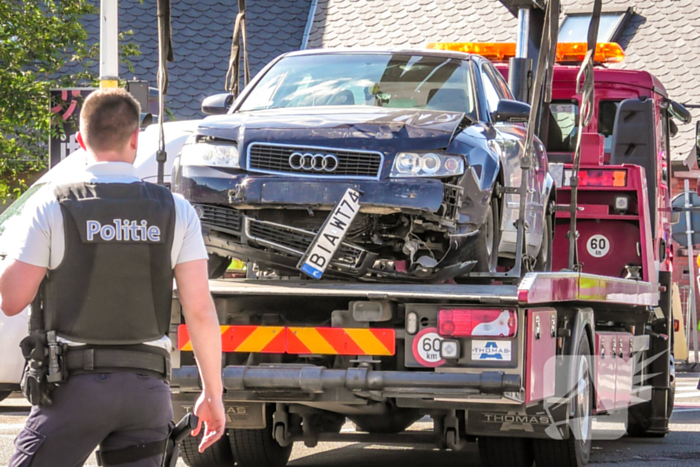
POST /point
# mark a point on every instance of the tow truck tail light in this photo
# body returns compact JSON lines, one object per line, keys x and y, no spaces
{"x":605,"y":52}
{"x":595,"y":177}
{"x":457,"y":322}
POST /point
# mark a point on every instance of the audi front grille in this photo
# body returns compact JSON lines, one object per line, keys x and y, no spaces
{"x":220,"y":218}
{"x":311,"y":161}
{"x":296,"y":241}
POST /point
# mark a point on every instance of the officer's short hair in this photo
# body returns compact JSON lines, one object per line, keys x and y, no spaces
{"x":108,"y":118}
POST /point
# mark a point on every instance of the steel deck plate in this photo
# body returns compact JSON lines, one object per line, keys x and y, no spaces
{"x":471,"y":293}
{"x":535,"y":288}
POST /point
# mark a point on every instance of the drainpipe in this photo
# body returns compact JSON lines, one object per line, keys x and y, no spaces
{"x":309,"y":25}
{"x":520,"y":67}
{"x":109,"y":43}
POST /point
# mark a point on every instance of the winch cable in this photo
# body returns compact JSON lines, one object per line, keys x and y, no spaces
{"x":542,"y":89}
{"x":238,"y":48}
{"x":165,"y":54}
{"x":585,"y":87}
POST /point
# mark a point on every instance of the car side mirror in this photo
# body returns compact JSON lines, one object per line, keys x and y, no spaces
{"x":146,"y":119}
{"x":511,"y":112}
{"x":217,"y":104}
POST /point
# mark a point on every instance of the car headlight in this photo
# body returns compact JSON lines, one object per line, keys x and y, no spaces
{"x":208,"y":154}
{"x":410,"y":164}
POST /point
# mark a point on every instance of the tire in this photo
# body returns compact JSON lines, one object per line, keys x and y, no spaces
{"x":638,"y":416}
{"x":576,"y":450}
{"x":484,"y":248}
{"x":4,"y":395}
{"x":395,"y":421}
{"x":218,"y":455}
{"x":258,"y":448}
{"x":543,"y":262}
{"x":217,"y":265}
{"x":505,"y":452}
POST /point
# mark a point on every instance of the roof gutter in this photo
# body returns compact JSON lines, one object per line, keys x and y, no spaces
{"x":309,"y":23}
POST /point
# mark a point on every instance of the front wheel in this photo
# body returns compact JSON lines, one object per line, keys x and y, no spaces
{"x":217,"y":455}
{"x":505,"y":452}
{"x":484,"y":248}
{"x":258,"y":448}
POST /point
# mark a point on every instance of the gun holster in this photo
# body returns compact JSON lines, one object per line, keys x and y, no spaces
{"x":169,"y":447}
{"x":35,"y":385}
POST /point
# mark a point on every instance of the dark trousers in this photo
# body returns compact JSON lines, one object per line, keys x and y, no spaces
{"x":113,"y":411}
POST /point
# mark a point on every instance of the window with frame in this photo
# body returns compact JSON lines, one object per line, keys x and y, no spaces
{"x":606,"y":121}
{"x":563,"y":126}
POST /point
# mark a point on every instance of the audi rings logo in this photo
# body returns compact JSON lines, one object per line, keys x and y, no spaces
{"x":313,"y":162}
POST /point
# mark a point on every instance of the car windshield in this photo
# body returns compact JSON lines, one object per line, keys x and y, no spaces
{"x":384,"y":80}
{"x":11,"y":216}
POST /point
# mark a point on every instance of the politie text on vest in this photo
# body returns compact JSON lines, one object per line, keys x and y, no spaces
{"x":123,"y":231}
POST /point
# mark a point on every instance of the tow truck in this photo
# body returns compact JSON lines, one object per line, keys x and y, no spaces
{"x":517,"y":361}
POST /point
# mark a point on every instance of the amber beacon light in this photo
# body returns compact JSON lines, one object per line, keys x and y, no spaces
{"x":567,"y":52}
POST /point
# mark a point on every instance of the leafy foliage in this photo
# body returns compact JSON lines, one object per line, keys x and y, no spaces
{"x":38,"y":38}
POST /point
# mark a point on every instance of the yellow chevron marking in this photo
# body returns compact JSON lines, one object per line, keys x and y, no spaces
{"x":259,"y":338}
{"x":314,"y":341}
{"x":367,"y":341}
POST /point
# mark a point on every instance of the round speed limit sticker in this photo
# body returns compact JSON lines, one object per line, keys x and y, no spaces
{"x":426,"y":348}
{"x":598,"y":246}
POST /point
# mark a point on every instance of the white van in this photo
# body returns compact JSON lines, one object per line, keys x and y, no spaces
{"x":13,"y":329}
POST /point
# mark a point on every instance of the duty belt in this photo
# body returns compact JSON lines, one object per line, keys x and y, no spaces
{"x":97,"y":359}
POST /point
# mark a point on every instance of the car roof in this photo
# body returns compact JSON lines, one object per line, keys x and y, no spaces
{"x":382,"y":51}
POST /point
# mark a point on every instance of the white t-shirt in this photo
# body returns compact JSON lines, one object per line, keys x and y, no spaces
{"x":41,"y":239}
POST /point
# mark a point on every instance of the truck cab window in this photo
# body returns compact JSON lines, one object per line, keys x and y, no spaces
{"x":606,"y":121}
{"x":563,"y":124}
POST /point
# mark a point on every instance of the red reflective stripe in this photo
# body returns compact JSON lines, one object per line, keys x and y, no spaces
{"x":235,"y":336}
{"x":277,"y":344}
{"x":294,"y":345}
{"x":387,"y":337}
{"x":340,"y":341}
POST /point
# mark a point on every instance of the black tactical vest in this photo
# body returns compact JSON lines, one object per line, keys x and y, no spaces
{"x":115,"y":283}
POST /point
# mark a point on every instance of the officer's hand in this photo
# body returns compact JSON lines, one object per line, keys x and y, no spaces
{"x":210,"y":410}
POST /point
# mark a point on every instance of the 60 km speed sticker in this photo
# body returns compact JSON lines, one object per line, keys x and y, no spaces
{"x":426,"y":348}
{"x":598,"y":246}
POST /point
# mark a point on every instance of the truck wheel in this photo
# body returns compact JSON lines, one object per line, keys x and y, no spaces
{"x":395,"y":421}
{"x":576,"y":450}
{"x":258,"y":448}
{"x":505,"y":452}
{"x":218,"y":455}
{"x":543,"y":262}
{"x":484,"y":248}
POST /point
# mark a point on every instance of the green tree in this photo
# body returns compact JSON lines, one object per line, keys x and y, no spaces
{"x":38,"y":38}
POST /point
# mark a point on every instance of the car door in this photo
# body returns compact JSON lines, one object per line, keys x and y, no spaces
{"x":511,"y":138}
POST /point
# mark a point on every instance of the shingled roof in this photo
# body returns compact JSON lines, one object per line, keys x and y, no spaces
{"x":202,"y":31}
{"x":661,"y":37}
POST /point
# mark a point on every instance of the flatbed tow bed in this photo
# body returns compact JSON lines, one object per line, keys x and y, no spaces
{"x":534,"y":289}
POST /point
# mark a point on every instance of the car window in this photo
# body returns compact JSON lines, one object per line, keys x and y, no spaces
{"x":500,"y":82}
{"x":563,"y":124}
{"x":382,"y":80}
{"x":12,"y":215}
{"x":490,"y":91}
{"x":606,"y":121}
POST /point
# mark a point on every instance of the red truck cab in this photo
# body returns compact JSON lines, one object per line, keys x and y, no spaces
{"x":620,"y":199}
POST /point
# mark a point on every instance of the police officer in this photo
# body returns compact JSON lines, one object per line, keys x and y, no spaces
{"x":104,"y":247}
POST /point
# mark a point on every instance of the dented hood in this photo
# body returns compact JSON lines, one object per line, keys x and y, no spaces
{"x":361,"y":127}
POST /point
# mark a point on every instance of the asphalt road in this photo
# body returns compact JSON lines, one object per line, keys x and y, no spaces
{"x":679,"y":448}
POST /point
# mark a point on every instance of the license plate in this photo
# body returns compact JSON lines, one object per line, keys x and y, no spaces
{"x":328,"y":240}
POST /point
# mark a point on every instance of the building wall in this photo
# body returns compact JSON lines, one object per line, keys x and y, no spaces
{"x":680,"y":256}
